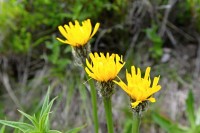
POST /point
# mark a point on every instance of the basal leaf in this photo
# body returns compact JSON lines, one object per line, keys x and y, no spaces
{"x":19,"y":125}
{"x":31,"y":118}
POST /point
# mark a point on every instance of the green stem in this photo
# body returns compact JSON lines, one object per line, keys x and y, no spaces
{"x":108,"y":111}
{"x":136,"y":123}
{"x":94,"y":105}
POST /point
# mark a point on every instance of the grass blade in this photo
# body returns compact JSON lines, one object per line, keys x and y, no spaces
{"x":77,"y":129}
{"x":190,"y":109}
{"x":166,"y":124}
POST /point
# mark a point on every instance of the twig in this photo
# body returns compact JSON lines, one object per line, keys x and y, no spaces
{"x":197,"y":63}
{"x":164,"y":22}
{"x":5,"y":82}
{"x":186,"y":35}
{"x":171,"y":37}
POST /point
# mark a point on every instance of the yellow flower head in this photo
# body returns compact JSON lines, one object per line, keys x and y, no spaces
{"x":138,"y":88}
{"x":104,"y":68}
{"x":77,"y":35}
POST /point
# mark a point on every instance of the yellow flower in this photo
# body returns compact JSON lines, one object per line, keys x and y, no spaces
{"x":138,"y":88}
{"x":104,"y":68}
{"x":77,"y":35}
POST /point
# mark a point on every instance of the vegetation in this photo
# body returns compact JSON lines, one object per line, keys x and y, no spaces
{"x":162,"y":34}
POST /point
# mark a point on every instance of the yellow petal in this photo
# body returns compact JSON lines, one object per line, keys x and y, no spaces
{"x":133,"y":70}
{"x":77,"y":24}
{"x":62,"y":31}
{"x":67,"y":28}
{"x":128,"y":77}
{"x":107,"y":55}
{"x":123,"y":86}
{"x":155,"y":81}
{"x":88,"y":71}
{"x":71,"y":25}
{"x":102,"y":56}
{"x":63,"y":41}
{"x":147,"y":73}
{"x":91,"y":56}
{"x":134,"y":104}
{"x":96,"y":55}
{"x":152,"y":99}
{"x":88,"y":64}
{"x":155,"y":89}
{"x":95,"y":29}
{"x":138,"y":73}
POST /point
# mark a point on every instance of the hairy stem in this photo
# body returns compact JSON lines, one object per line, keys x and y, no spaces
{"x":108,"y":111}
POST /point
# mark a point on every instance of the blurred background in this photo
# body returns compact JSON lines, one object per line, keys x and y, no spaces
{"x":163,"y":34}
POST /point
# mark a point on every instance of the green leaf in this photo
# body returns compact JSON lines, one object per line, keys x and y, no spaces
{"x":190,"y":108}
{"x":54,"y":131}
{"x":45,"y":103}
{"x":2,"y":129}
{"x":128,"y":126}
{"x":17,"y":130}
{"x":31,"y":118}
{"x":198,"y":128}
{"x":156,"y":49}
{"x":198,"y":117}
{"x":40,"y":125}
{"x":44,"y":114}
{"x":76,"y":130}
{"x":167,"y":125}
{"x":19,"y":125}
{"x":44,"y":118}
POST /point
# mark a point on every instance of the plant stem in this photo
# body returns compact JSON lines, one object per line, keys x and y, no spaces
{"x":94,"y":105}
{"x":136,"y":123}
{"x":108,"y":111}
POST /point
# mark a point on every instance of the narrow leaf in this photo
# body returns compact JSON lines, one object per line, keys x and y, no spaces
{"x":44,"y":118}
{"x":17,"y":131}
{"x":54,"y":131}
{"x":19,"y":125}
{"x":190,"y":108}
{"x":45,"y":103}
{"x":166,"y":124}
{"x":198,"y":117}
{"x":128,"y":126}
{"x":31,"y":118}
{"x":76,"y":130}
{"x":2,"y":129}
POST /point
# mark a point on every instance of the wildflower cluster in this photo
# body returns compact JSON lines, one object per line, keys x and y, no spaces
{"x":105,"y":68}
{"x":102,"y":67}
